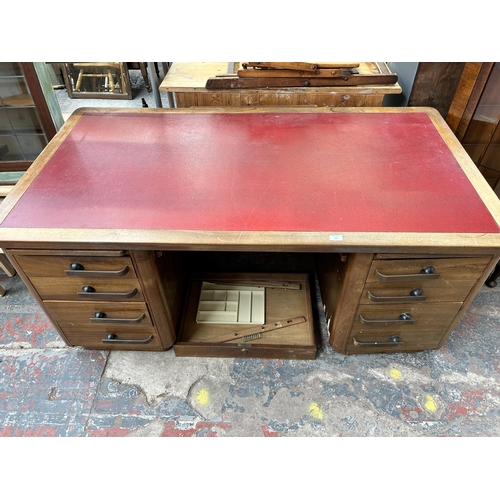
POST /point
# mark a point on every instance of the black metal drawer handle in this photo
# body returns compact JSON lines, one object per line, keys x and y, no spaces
{"x":100,"y":317}
{"x":393,"y":341}
{"x":415,"y":295}
{"x":111,"y":338}
{"x":89,"y":292}
{"x":427,"y":273}
{"x":403,"y":319}
{"x":78,"y":270}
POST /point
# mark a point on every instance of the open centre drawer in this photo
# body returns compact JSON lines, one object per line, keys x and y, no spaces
{"x":287,"y":332}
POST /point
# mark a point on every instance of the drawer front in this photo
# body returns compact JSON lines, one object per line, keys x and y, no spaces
{"x":120,"y":339}
{"x":72,"y":288}
{"x":396,"y":318}
{"x":64,"y":265}
{"x":397,"y":341}
{"x":427,"y":270}
{"x":99,"y":314}
{"x":244,"y":351}
{"x":413,"y":292}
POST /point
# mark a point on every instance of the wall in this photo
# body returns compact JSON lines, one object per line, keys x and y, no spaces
{"x":406,"y":72}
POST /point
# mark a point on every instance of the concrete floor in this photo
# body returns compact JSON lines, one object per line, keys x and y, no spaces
{"x":48,"y":389}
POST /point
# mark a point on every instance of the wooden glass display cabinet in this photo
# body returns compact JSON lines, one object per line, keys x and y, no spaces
{"x":124,"y":227}
{"x":27,"y":123}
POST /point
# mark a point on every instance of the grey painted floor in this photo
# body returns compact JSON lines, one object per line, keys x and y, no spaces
{"x":48,"y":389}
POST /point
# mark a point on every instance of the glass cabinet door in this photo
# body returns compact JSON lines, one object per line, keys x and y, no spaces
{"x":22,"y":137}
{"x":482,"y":138}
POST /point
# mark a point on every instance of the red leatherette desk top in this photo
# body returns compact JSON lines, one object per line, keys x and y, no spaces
{"x":338,"y":172}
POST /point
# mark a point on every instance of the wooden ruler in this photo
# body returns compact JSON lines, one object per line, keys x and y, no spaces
{"x":301,"y":66}
{"x":263,"y":283}
{"x":254,"y":331}
{"x":284,"y":73}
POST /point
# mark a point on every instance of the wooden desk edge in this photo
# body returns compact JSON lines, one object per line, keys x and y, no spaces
{"x":264,"y":241}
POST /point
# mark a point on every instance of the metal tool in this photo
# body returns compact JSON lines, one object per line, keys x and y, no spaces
{"x":254,"y":330}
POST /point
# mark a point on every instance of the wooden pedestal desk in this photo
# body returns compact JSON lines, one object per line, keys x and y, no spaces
{"x":127,"y":212}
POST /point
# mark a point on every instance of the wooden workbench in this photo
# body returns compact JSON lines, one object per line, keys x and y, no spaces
{"x":186,"y":82}
{"x":126,"y":212}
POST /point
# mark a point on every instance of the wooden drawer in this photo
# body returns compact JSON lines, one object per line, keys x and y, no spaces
{"x":438,"y":290}
{"x":293,"y":342}
{"x":145,"y":339}
{"x":71,"y":288}
{"x":61,"y":265}
{"x":390,"y":318}
{"x":407,"y":341}
{"x":411,"y":270}
{"x":83,"y":314}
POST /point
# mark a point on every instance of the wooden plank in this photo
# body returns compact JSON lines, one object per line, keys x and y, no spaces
{"x":288,"y":99}
{"x":180,"y":99}
{"x":351,"y":80}
{"x":462,"y":95}
{"x":269,"y":99}
{"x":477,"y":91}
{"x":284,"y":73}
{"x":190,"y":99}
{"x":249,"y":99}
{"x":371,"y":100}
{"x":283,"y":65}
{"x":435,"y":85}
{"x":231,"y":99}
{"x":303,"y":66}
{"x":210,"y":99}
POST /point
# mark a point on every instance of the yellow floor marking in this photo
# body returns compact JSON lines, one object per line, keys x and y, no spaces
{"x":430,"y":403}
{"x":202,"y":397}
{"x":395,"y":374}
{"x":315,"y":411}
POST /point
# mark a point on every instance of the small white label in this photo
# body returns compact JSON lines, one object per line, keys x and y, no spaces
{"x":336,"y":237}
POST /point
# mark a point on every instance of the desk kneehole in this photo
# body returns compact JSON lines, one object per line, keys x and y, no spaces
{"x":290,"y":342}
